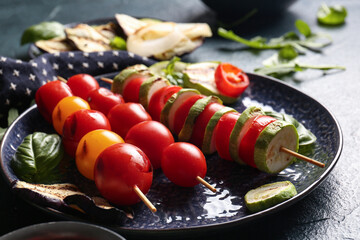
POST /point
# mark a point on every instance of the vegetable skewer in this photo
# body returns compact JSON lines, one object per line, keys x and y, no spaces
{"x":282,"y":149}
{"x":86,"y":156}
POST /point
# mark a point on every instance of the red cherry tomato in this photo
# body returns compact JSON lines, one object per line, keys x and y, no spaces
{"x":247,"y":143}
{"x":201,"y":123}
{"x":118,"y":169}
{"x":222,"y":134}
{"x":158,"y":100}
{"x":152,"y":137}
{"x":123,"y":116}
{"x":102,"y":99}
{"x":82,"y":84}
{"x":182,"y":162}
{"x":131,"y":90}
{"x":80,"y":123}
{"x":230,"y":80}
{"x":50,"y":94}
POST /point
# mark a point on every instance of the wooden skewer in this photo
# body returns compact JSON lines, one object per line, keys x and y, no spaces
{"x":302,"y":157}
{"x":108,"y":80}
{"x":62,"y":79}
{"x":144,"y":199}
{"x":205,"y":183}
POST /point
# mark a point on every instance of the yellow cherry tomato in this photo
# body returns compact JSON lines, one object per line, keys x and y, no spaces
{"x":65,"y":108}
{"x":90,"y":147}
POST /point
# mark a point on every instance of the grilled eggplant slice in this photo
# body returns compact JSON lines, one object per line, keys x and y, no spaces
{"x":55,"y":45}
{"x":87,"y":39}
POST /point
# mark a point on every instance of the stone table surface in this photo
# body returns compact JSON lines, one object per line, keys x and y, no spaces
{"x":332,"y":210}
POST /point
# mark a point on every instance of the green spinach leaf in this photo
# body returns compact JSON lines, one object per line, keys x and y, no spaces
{"x":43,"y":31}
{"x":37,"y":158}
{"x":331,"y":15}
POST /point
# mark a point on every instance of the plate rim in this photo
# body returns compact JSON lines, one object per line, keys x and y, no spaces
{"x":226,"y":224}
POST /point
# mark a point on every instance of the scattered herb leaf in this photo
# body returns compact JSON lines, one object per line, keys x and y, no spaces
{"x":42,"y":31}
{"x":288,"y":53}
{"x":278,"y":67}
{"x":118,"y":43}
{"x":303,"y":28}
{"x":37,"y":158}
{"x":331,"y":15}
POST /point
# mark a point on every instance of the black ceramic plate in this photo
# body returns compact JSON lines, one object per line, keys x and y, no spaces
{"x":62,"y":230}
{"x":185,"y":210}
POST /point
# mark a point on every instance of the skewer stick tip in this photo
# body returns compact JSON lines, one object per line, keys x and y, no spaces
{"x":108,"y":80}
{"x":206,"y":184}
{"x":302,"y":157}
{"x":144,"y":199}
{"x":62,"y":79}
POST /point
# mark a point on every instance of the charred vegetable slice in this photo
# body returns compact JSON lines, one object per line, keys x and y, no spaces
{"x":87,"y":39}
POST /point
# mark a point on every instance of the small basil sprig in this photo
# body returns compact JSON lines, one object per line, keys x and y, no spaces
{"x":310,"y":40}
{"x":331,"y":15}
{"x":37,"y":158}
{"x":306,"y":137}
{"x":42,"y":31}
{"x":174,"y":77}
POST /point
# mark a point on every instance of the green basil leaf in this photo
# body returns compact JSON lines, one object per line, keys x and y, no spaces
{"x":37,"y":158}
{"x":331,"y":15}
{"x":303,"y":28}
{"x":306,"y":137}
{"x":42,"y":31}
{"x":118,"y":43}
